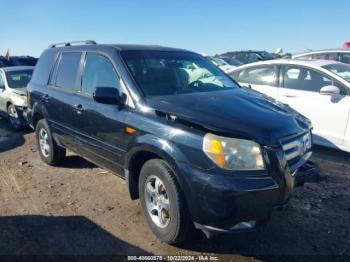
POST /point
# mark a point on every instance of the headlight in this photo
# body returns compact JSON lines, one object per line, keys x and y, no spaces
{"x":233,"y":154}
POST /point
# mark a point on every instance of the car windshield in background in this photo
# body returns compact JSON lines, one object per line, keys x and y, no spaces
{"x":232,"y":61}
{"x":167,"y":73}
{"x":5,"y":63}
{"x":27,"y":61}
{"x":19,"y":79}
{"x":342,"y":70}
{"x":267,"y":55}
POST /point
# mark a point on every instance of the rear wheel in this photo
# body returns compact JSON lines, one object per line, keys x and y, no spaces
{"x":162,"y":202}
{"x":49,"y":151}
{"x":14,"y":118}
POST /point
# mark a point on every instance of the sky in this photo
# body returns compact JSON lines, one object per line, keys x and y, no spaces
{"x":211,"y":27}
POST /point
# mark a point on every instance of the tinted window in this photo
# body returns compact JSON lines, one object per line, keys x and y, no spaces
{"x":169,"y":73}
{"x":67,"y":71}
{"x":98,"y":72}
{"x":19,"y":79}
{"x":345,"y":58}
{"x":307,"y":80}
{"x":26,"y":61}
{"x":264,"y":75}
{"x":43,"y":68}
{"x":326,"y":56}
{"x":4,"y":62}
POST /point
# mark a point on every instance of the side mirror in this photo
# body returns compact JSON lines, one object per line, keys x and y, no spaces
{"x":108,"y":95}
{"x":330,"y":90}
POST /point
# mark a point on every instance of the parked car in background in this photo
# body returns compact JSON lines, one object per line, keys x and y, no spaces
{"x":318,"y":89}
{"x":341,"y":55}
{"x":13,"y":93}
{"x":246,"y":57}
{"x":222,"y":64}
{"x":196,"y":148}
{"x":18,"y":61}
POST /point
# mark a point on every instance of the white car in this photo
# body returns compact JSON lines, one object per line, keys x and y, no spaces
{"x":341,"y":55}
{"x":318,"y":89}
{"x":13,"y":93}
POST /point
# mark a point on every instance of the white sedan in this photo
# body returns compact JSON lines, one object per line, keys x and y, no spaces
{"x":318,"y":89}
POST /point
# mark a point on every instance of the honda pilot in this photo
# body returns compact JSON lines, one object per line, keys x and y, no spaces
{"x":199,"y":150}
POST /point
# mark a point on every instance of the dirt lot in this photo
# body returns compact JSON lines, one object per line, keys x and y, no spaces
{"x":80,"y":209}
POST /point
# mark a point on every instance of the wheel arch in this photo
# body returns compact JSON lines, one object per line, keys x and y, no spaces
{"x":139,"y":154}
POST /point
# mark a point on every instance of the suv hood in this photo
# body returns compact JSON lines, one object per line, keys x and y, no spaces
{"x":240,"y":112}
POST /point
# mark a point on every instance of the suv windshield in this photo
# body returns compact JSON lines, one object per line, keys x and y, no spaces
{"x":167,"y":73}
{"x":18,"y":79}
{"x":342,"y":70}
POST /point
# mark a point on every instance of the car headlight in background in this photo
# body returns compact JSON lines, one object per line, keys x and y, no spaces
{"x":232,"y":153}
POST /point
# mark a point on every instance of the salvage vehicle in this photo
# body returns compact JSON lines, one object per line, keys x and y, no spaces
{"x":341,"y":55}
{"x":199,"y":150}
{"x":318,"y":89}
{"x":13,"y":93}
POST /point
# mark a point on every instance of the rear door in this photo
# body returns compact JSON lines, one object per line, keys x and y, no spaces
{"x":61,"y":99}
{"x":328,"y":113}
{"x":101,"y":130}
{"x":260,"y":78}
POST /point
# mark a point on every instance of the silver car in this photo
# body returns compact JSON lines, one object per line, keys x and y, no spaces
{"x":13,"y":93}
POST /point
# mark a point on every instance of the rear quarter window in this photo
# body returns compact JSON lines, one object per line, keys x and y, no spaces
{"x":43,"y":68}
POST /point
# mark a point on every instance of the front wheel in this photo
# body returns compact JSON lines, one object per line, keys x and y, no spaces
{"x":162,"y":202}
{"x":49,"y":151}
{"x":14,"y":118}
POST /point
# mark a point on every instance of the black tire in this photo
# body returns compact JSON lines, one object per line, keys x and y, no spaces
{"x":15,"y":118}
{"x":180,"y":226}
{"x":55,"y":154}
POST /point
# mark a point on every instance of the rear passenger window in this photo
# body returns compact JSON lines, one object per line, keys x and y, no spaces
{"x":98,"y":72}
{"x":345,"y":58}
{"x":326,"y":56}
{"x":264,"y":75}
{"x":67,"y":71}
{"x":43,"y":68}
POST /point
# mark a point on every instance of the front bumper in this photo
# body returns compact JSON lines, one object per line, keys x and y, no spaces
{"x":221,"y":202}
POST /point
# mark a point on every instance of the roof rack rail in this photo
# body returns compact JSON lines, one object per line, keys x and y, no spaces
{"x":86,"y":42}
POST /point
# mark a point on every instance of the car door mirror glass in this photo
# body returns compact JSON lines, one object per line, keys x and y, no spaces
{"x":108,"y":95}
{"x":330,"y":90}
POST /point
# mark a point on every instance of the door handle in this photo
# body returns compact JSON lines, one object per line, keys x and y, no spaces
{"x":289,"y":95}
{"x":79,"y":108}
{"x":45,"y":98}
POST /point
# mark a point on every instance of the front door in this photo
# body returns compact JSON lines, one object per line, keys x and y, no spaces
{"x":328,"y":113}
{"x":101,"y":133}
{"x":260,"y":78}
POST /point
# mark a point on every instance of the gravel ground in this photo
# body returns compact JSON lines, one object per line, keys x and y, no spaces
{"x":80,"y":209}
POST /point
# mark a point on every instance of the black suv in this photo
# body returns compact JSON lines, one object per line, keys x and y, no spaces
{"x":195,"y":147}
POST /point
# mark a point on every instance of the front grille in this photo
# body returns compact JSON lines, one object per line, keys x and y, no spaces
{"x":294,"y":148}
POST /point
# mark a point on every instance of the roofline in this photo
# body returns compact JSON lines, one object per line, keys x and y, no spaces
{"x":285,"y":61}
{"x":340,"y":50}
